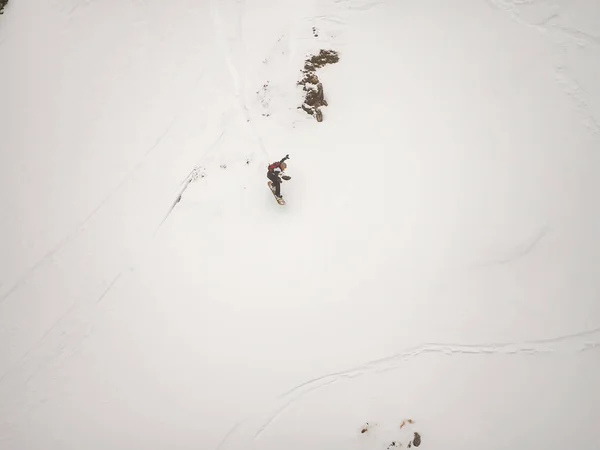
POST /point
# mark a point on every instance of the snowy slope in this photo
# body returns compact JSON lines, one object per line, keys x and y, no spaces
{"x":437,"y":259}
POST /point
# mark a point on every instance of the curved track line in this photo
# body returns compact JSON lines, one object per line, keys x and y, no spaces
{"x":577,"y":342}
{"x":527,"y":347}
{"x":565,"y":80}
{"x":76,"y":230}
{"x":519,"y":251}
{"x":55,"y":324}
{"x":74,"y":233}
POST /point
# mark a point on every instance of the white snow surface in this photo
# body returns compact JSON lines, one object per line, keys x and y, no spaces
{"x":438,"y":258}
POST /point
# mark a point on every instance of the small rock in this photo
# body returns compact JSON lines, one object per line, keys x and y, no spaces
{"x":417,"y":439}
{"x":404,"y":422}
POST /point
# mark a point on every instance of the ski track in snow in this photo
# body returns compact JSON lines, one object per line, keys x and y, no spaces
{"x":72,"y":235}
{"x":221,"y":38}
{"x":237,"y":79}
{"x":353,"y":5}
{"x":579,"y":342}
{"x":577,"y":34}
{"x":39,"y":342}
{"x":162,"y":136}
{"x":182,"y":108}
{"x":564,"y":78}
{"x":573,"y":343}
{"x":574,"y":90}
{"x":521,"y":250}
{"x":109,"y":288}
{"x":56,"y":323}
{"x":75,"y":232}
{"x":191,"y":175}
{"x":25,"y":358}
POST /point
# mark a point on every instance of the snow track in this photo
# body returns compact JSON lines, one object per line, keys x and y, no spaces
{"x":546,"y":18}
{"x":229,"y":37}
{"x":253,"y":428}
{"x":437,"y":258}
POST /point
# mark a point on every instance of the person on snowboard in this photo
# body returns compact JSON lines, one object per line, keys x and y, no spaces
{"x":275,"y":174}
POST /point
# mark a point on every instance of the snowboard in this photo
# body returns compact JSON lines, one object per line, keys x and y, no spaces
{"x":279,"y":200}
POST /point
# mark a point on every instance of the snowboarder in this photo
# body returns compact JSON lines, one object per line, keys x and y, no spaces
{"x":275,"y":174}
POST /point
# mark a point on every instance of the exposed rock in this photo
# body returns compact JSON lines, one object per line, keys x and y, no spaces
{"x":314,"y":97}
{"x":417,"y":439}
{"x":323,"y":58}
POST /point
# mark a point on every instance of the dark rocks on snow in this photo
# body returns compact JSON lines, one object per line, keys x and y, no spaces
{"x":417,"y":439}
{"x":2,"y":5}
{"x":322,"y":59}
{"x":314,"y":97}
{"x":314,"y":100}
{"x":309,"y":78}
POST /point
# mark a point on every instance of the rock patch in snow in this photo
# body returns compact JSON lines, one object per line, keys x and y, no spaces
{"x":314,"y":98}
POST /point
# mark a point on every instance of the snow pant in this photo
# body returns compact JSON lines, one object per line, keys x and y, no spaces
{"x":276,"y":182}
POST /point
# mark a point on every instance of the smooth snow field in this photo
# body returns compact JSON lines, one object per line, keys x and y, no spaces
{"x":436,"y":269}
